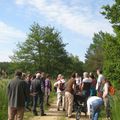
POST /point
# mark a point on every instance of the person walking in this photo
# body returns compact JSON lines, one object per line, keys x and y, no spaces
{"x":48,"y":89}
{"x":93,"y":84}
{"x":69,"y":95}
{"x":94,"y":104}
{"x":106,"y":97}
{"x":60,"y":85}
{"x":37,"y":90}
{"x":99,"y":82}
{"x":28,"y":99}
{"x":17,"y":92}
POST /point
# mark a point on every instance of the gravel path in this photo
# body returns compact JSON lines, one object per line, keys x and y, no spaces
{"x":53,"y":114}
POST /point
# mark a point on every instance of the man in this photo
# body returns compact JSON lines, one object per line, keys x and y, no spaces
{"x":48,"y":89}
{"x":99,"y":82}
{"x":69,"y":95}
{"x":17,"y":92}
{"x":37,"y":89}
{"x":94,"y":104}
{"x":28,"y":99}
{"x":106,"y":97}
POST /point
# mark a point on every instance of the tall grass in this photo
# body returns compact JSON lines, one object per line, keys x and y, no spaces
{"x":116,"y":107}
{"x":3,"y":100}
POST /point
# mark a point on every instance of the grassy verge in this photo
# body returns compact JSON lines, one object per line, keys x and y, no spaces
{"x":116,"y":106}
{"x":3,"y":100}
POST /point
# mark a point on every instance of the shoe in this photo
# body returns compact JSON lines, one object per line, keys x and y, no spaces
{"x":63,"y":109}
{"x":70,"y":116}
{"x":48,"y":104}
{"x":43,"y":114}
{"x":35,"y":113}
{"x":27,"y":109}
{"x":108,"y":118}
{"x":58,"y":109}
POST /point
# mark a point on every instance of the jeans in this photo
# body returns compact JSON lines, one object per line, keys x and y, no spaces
{"x":41,"y":104}
{"x":95,"y":110}
{"x":35,"y":99}
{"x":41,"y":101}
{"x":95,"y":113}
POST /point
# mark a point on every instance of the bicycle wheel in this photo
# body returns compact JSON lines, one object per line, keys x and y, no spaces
{"x":78,"y":115}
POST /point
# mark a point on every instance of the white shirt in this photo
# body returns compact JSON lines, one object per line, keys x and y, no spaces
{"x":99,"y":80}
{"x":94,"y":100}
{"x":87,"y":80}
{"x":57,"y":83}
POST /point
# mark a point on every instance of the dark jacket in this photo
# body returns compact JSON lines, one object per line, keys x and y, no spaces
{"x":37,"y":87}
{"x":17,"y":91}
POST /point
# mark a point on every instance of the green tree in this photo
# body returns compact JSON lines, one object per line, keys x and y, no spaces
{"x":112,"y":42}
{"x":42,"y":50}
{"x":94,"y":55}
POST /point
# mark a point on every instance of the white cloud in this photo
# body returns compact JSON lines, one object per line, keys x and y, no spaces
{"x":10,"y":34}
{"x":8,"y":37}
{"x":78,"y":18}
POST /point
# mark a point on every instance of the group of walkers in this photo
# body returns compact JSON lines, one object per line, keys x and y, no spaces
{"x":26,"y":90}
{"x":95,"y":91}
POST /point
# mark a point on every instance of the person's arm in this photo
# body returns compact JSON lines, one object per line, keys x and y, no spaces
{"x":42,"y":86}
{"x":105,"y":93}
{"x":50,"y":86}
{"x":55,"y":84}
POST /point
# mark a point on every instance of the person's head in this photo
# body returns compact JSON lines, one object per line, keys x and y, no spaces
{"x":62,"y":77}
{"x":18,"y":73}
{"x":38,"y":75}
{"x":85,"y":75}
{"x":99,"y":71}
{"x":91,"y":75}
{"x":48,"y":76}
{"x":73,"y":76}
{"x":42,"y":74}
{"x":59,"y":76}
{"x":28,"y":77}
{"x":23,"y":76}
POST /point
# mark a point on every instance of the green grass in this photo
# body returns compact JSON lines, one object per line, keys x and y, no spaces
{"x":3,"y":100}
{"x":116,"y":106}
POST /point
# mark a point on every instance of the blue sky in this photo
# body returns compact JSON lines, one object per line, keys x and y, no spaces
{"x":77,"y":20}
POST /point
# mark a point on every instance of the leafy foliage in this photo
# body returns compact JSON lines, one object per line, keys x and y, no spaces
{"x":94,"y":55}
{"x":44,"y":50}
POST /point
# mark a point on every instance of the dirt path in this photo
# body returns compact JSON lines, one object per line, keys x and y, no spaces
{"x":53,"y":114}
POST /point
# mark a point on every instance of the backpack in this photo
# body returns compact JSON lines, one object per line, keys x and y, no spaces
{"x":111,"y":90}
{"x":62,"y":86}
